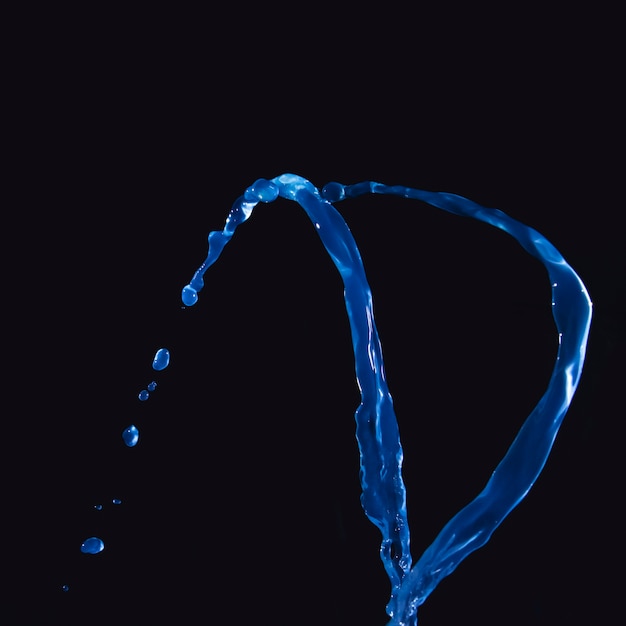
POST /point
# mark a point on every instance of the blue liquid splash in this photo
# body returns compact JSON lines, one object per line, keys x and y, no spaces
{"x":130,"y":436}
{"x":383,"y":491}
{"x":93,"y":545}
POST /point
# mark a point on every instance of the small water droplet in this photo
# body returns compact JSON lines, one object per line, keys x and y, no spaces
{"x":189,"y":295}
{"x":116,"y":501}
{"x":98,"y":507}
{"x":93,"y":545}
{"x":152,"y":386}
{"x":143,"y":395}
{"x":161,"y":359}
{"x":65,"y":587}
{"x":130,"y":436}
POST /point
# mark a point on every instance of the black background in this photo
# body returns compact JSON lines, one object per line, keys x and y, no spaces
{"x":240,"y":504}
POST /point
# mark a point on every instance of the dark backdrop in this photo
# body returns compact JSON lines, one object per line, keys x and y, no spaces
{"x":240,"y":504}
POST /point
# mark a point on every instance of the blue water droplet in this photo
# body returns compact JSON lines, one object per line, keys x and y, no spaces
{"x":98,"y":507}
{"x":65,"y":587}
{"x":93,"y":545}
{"x":384,"y":492}
{"x":116,"y":501}
{"x":130,"y":436}
{"x":189,"y":295}
{"x":152,"y":386}
{"x":143,"y":395}
{"x":161,"y":359}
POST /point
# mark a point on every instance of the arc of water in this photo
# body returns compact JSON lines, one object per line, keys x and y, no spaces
{"x":383,"y":492}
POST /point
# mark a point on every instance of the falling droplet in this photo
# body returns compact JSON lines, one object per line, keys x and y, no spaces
{"x":152,"y":386}
{"x":130,"y":436}
{"x":161,"y":359}
{"x":93,"y":545}
{"x":189,"y":295}
{"x":98,"y":507}
{"x":65,"y":587}
{"x":116,"y":501}
{"x":143,"y":395}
